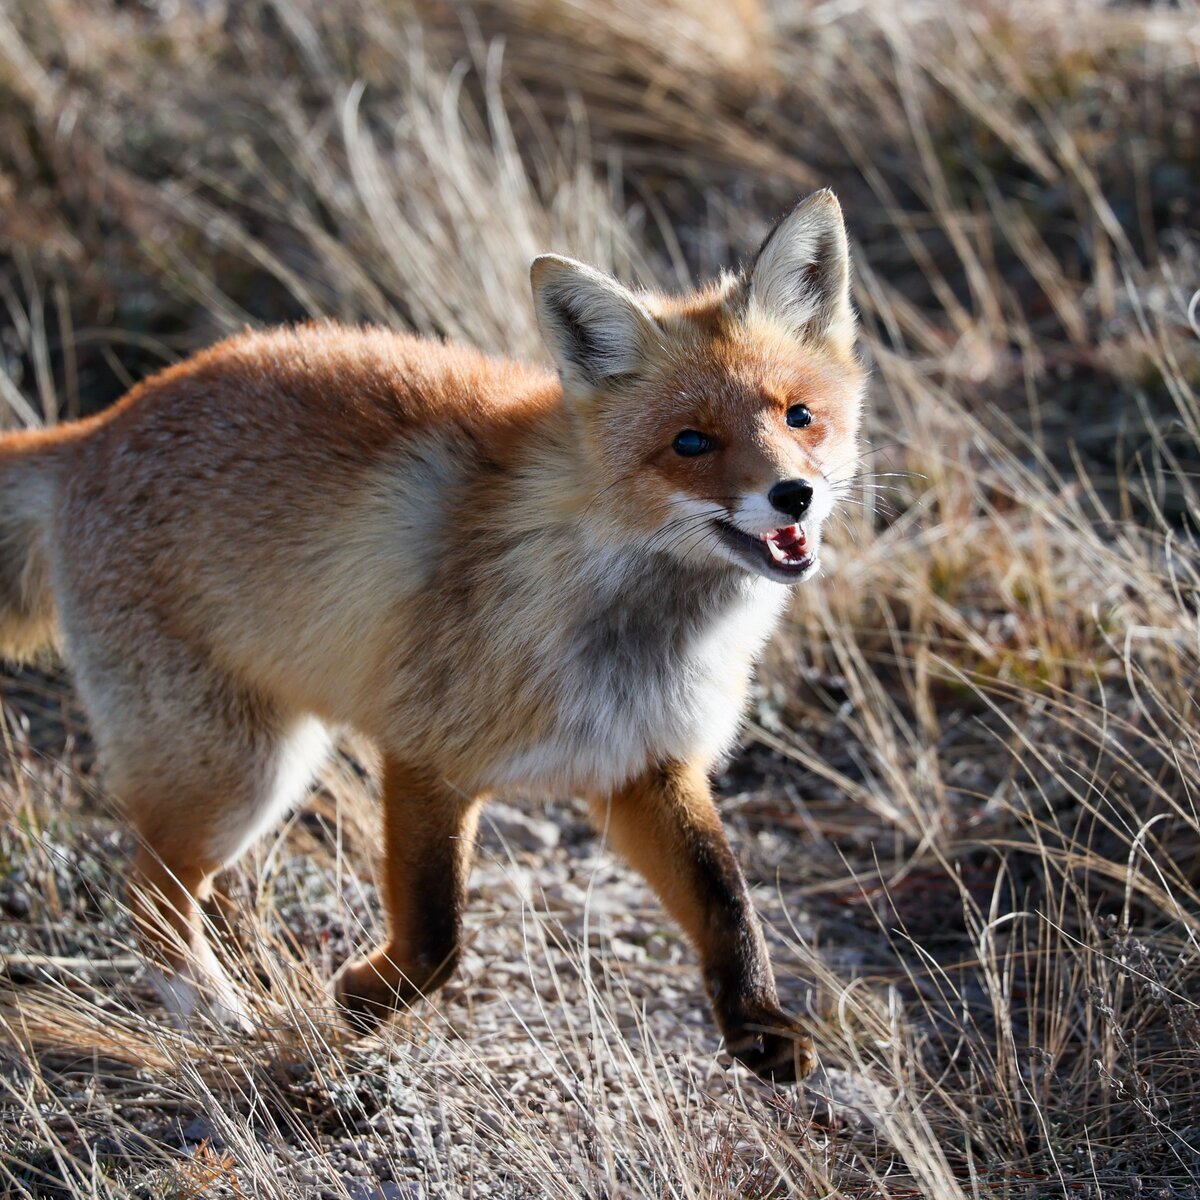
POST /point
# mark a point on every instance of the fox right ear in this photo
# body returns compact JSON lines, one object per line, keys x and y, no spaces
{"x":595,"y":329}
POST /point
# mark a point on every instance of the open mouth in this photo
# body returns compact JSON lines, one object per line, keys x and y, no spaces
{"x":782,"y":553}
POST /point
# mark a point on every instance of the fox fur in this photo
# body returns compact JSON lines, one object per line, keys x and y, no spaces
{"x":512,"y":580}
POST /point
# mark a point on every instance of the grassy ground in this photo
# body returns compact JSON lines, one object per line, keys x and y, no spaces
{"x":967,"y":793}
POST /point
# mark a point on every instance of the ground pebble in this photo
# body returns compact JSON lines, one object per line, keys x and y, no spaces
{"x":369,"y":1189}
{"x":520,"y":830}
{"x":201,"y":1129}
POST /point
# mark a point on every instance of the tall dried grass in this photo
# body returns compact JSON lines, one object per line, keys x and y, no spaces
{"x":968,"y":789}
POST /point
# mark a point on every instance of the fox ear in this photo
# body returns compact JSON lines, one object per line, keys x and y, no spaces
{"x":801,"y":273}
{"x":595,"y":328}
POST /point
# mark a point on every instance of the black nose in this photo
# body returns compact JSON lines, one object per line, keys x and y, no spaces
{"x":792,"y":496}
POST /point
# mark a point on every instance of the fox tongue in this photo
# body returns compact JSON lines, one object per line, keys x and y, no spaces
{"x":787,"y":544}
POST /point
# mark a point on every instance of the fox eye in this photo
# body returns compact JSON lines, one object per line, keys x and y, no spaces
{"x":691,"y":442}
{"x":798,"y":416}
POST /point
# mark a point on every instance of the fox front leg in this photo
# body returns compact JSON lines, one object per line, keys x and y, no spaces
{"x":666,"y":825}
{"x":428,"y":842}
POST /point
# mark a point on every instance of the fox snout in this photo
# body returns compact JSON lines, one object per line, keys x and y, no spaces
{"x":792,"y":497}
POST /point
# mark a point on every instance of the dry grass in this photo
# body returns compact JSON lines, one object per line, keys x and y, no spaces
{"x":968,"y":790}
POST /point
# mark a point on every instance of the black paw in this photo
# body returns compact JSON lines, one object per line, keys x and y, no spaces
{"x":365,"y":997}
{"x":773,"y":1046}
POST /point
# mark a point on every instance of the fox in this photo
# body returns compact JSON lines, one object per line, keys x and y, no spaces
{"x":508,"y":578}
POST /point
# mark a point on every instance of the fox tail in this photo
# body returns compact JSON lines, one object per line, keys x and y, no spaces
{"x":28,"y":622}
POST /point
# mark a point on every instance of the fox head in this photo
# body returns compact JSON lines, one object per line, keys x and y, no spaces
{"x":718,"y":427}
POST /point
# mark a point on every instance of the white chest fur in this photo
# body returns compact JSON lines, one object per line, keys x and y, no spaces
{"x":649,"y":674}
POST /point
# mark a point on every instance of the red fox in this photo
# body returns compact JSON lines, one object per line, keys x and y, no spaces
{"x":508,"y":579}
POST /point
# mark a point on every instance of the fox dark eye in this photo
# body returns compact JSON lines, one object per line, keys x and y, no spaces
{"x":691,"y":442}
{"x":798,"y":416}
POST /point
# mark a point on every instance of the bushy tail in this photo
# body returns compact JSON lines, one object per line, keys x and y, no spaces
{"x":28,"y":622}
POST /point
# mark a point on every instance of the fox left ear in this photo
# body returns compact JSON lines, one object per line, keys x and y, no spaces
{"x":596,"y":329}
{"x":801,"y":273}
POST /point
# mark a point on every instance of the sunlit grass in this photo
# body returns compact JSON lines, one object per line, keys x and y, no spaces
{"x":967,"y":800}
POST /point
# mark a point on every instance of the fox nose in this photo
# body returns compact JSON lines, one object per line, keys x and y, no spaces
{"x":792,"y":496}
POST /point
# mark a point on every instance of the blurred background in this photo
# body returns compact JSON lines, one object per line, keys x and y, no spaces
{"x":967,"y":791}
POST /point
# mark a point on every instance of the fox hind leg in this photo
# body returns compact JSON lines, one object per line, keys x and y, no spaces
{"x":201,"y":767}
{"x":164,"y":902}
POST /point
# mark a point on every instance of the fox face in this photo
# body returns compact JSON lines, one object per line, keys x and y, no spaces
{"x":722,"y":427}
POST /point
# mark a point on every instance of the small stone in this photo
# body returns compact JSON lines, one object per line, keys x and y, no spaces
{"x":492,"y":1121}
{"x":370,"y":1189}
{"x":571,"y":895}
{"x":201,"y":1129}
{"x":14,"y":902}
{"x":520,"y":831}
